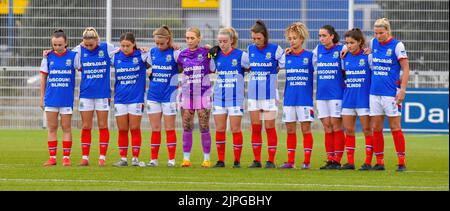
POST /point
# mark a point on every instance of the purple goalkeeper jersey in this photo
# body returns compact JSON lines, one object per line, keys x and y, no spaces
{"x":196,"y":85}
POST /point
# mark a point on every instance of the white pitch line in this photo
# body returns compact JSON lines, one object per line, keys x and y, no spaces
{"x":222,"y":183}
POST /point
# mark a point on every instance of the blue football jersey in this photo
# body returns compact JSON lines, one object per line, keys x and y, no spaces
{"x":299,"y":79}
{"x":386,"y":67}
{"x":95,"y":72}
{"x":229,"y":86}
{"x":263,"y":77}
{"x":130,"y":77}
{"x":330,"y":80}
{"x":358,"y":78}
{"x":60,"y":70}
{"x":164,"y":81}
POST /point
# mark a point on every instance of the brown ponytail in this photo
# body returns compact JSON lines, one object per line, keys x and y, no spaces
{"x":129,"y":36}
{"x":60,"y":33}
{"x":332,"y":31}
{"x":260,"y":27}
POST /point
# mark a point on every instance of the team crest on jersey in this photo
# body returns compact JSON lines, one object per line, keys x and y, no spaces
{"x":362,"y":62}
{"x":51,"y":63}
{"x":389,"y":52}
{"x":218,"y":64}
{"x":234,"y":62}
{"x":320,"y":55}
{"x":252,"y":55}
{"x":119,"y":61}
{"x":85,"y":55}
{"x":168,"y":58}
{"x":305,"y":61}
{"x":200,"y":57}
{"x":335,"y":55}
{"x":347,"y":63}
{"x":289,"y":61}
{"x":135,"y":60}
{"x":68,"y":62}
{"x":268,"y":55}
{"x":101,"y":54}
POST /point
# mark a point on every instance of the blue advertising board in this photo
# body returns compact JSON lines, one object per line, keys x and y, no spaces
{"x":425,"y":111}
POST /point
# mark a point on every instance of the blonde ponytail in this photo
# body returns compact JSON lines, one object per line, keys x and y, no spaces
{"x":90,"y":33}
{"x":231,"y":32}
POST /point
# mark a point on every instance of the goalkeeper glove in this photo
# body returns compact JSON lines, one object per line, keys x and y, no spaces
{"x":213,"y":52}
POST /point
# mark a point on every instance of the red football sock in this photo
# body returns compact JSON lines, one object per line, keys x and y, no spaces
{"x":171,"y":137}
{"x":350,"y":145}
{"x":52,"y":148}
{"x":339,"y":145}
{"x":369,"y":149}
{"x":67,"y":147}
{"x":272,"y":140}
{"x":104,"y":140}
{"x":291,"y":146}
{"x":307,"y":146}
{"x":86,"y":140}
{"x":220,"y":144}
{"x":237,"y":146}
{"x":400,"y":145}
{"x":155,"y":144}
{"x":329,"y":145}
{"x":123,"y":143}
{"x":136,"y":141}
{"x":257,"y":141}
{"x":378,"y":146}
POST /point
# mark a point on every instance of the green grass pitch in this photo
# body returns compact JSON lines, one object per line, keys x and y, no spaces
{"x":22,"y":153}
